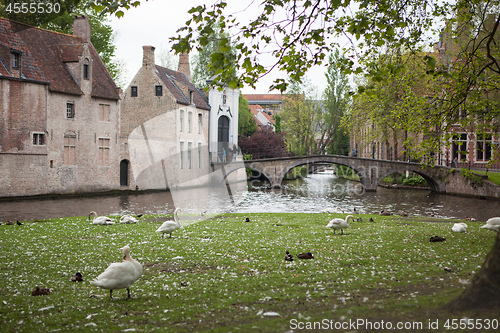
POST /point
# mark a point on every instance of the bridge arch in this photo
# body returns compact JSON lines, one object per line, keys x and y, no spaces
{"x":433,"y":184}
{"x":369,"y":171}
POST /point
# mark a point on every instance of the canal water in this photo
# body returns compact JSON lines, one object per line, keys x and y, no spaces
{"x":312,"y":194}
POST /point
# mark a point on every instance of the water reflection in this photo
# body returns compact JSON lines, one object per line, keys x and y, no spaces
{"x":311,"y":195}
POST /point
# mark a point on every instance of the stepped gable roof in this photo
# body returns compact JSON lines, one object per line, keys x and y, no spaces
{"x":44,"y":57}
{"x":178,"y":84}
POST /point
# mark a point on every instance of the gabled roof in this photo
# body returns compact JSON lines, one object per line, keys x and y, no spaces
{"x":262,"y":118}
{"x":44,"y":57}
{"x":178,"y":84}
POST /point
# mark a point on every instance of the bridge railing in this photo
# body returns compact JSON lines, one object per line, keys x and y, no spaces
{"x":265,"y":152}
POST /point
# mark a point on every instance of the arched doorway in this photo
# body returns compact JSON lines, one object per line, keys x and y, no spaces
{"x":223,"y":137}
{"x":124,"y":166}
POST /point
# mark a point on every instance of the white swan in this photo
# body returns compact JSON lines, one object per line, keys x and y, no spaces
{"x":120,"y":275}
{"x":102,"y":220}
{"x":170,"y":226}
{"x":338,"y":223}
{"x":459,"y":227}
{"x":128,"y":219}
{"x":492,"y":224}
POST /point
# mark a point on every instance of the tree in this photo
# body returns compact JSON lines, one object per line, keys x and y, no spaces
{"x":30,"y":13}
{"x":218,"y":50}
{"x":299,"y":117}
{"x":264,"y":144}
{"x":336,"y":101}
{"x":246,"y":123}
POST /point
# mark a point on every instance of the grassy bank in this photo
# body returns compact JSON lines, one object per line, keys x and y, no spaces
{"x":227,"y":275}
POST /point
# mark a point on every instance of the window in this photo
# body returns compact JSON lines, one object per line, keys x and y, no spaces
{"x":483,"y":147}
{"x":190,"y":114}
{"x":181,"y":155}
{"x":85,"y":71}
{"x":189,"y":155}
{"x":104,"y":151}
{"x":70,"y":149}
{"x":16,"y":59}
{"x":224,"y":98}
{"x":38,"y":139}
{"x":199,"y":154}
{"x":191,"y":97}
{"x":133,"y":91}
{"x":199,"y":122}
{"x":104,"y":112}
{"x":459,"y":147}
{"x":159,"y":90}
{"x":181,"y":120}
{"x":70,"y":110}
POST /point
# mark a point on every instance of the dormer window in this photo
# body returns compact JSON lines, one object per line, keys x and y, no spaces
{"x":191,"y":97}
{"x":85,"y":71}
{"x":16,"y":59}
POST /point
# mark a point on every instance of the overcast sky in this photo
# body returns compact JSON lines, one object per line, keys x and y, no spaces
{"x":155,"y":21}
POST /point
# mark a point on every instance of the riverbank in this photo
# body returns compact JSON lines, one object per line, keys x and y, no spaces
{"x":225,"y":274}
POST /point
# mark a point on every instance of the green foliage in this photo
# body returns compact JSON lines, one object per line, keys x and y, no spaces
{"x":223,"y":272}
{"x":333,"y":138}
{"x":471,"y":176}
{"x":246,"y":123}
{"x":300,"y":116}
{"x":35,"y":12}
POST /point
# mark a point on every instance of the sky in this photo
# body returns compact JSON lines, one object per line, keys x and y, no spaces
{"x":155,"y":21}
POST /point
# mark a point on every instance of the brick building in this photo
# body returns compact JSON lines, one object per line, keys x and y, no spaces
{"x":59,"y":126}
{"x":164,"y":127}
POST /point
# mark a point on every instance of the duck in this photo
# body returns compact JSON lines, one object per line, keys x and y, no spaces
{"x":288,"y":256}
{"x":338,"y":223}
{"x":437,"y":239}
{"x":307,"y":255}
{"x":492,"y":224}
{"x":9,"y":223}
{"x":77,"y":277}
{"x":127,"y":219}
{"x":359,"y":219}
{"x":170,"y":226}
{"x":101,"y":220}
{"x":247,"y":219}
{"x":40,"y":291}
{"x":120,"y":275}
{"x":403,"y":213}
{"x":385,"y":213}
{"x":459,"y":227}
{"x":354,"y":211}
{"x":371,"y":219}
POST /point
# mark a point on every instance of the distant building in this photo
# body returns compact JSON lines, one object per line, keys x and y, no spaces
{"x":262,"y":117}
{"x":59,"y":129}
{"x":272,"y":103}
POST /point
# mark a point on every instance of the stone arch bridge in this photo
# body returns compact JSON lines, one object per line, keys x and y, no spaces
{"x":441,"y":179}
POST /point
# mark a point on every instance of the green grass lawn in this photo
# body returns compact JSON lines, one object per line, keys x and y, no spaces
{"x":492,"y":176}
{"x":227,"y":275}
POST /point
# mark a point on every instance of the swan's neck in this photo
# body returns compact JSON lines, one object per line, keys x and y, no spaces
{"x":176,"y":218}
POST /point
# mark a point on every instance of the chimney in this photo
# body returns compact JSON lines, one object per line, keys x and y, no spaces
{"x":81,"y":27}
{"x":184,"y":65}
{"x":148,"y":56}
